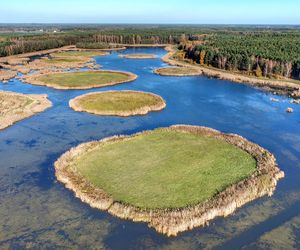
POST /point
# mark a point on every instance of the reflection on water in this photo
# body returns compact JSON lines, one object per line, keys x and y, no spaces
{"x":36,"y":211}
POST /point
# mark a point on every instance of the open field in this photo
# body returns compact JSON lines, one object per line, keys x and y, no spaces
{"x":178,"y":71}
{"x":160,"y":168}
{"x":15,"y":107}
{"x":119,"y":103}
{"x":173,"y":178}
{"x":80,"y":80}
{"x":138,"y":56}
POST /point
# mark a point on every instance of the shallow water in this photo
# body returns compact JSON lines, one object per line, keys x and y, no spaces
{"x":36,"y":211}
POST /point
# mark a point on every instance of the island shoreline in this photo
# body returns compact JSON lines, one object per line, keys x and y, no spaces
{"x":31,"y":79}
{"x":73,"y":103}
{"x":173,"y":221}
{"x":282,"y":87}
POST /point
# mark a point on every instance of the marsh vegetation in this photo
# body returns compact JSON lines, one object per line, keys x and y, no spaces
{"x":80,"y":79}
{"x":119,"y":103}
{"x":15,"y":107}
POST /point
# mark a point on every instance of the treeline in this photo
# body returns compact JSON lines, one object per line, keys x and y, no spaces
{"x":30,"y":43}
{"x":261,"y":54}
{"x":96,"y":45}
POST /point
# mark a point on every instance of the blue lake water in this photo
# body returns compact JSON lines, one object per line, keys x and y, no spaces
{"x":38,"y":212}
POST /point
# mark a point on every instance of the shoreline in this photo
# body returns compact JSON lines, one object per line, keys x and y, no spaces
{"x":160,"y":72}
{"x":173,"y":221}
{"x":282,"y":87}
{"x":138,"y":56}
{"x":73,"y":103}
{"x":6,"y":75}
{"x":40,"y":103}
{"x":157,"y":45}
{"x":31,"y":79}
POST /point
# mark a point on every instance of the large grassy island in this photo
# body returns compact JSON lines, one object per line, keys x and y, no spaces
{"x":15,"y":107}
{"x":119,"y":103}
{"x":173,"y":178}
{"x":80,"y":80}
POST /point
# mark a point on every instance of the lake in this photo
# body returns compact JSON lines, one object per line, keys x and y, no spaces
{"x":36,"y":211}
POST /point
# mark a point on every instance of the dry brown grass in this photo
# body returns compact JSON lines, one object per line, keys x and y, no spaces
{"x":6,"y":75}
{"x":62,"y":58}
{"x":15,"y":107}
{"x":178,"y":71}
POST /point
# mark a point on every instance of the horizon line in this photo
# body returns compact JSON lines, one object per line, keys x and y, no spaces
{"x":131,"y":23}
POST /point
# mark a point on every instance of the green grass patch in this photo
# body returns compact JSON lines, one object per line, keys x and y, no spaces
{"x":83,"y":79}
{"x":165,"y":168}
{"x":118,"y":101}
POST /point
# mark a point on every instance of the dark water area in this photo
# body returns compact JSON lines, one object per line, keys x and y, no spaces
{"x":38,"y":212}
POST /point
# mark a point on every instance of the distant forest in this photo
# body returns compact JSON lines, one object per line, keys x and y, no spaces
{"x":254,"y":50}
{"x":17,"y":43}
{"x":268,"y":54}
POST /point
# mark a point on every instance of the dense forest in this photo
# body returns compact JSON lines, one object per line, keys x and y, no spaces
{"x":254,"y":50}
{"x":268,"y":54}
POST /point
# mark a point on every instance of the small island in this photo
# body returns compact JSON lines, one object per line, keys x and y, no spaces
{"x":80,"y":79}
{"x":118,"y":103}
{"x":174,"y":178}
{"x":138,"y":56}
{"x":15,"y":107}
{"x":178,"y":71}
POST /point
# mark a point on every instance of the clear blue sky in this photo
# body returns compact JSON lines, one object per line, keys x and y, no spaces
{"x":151,"y":11}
